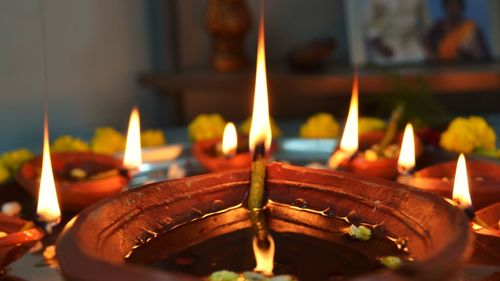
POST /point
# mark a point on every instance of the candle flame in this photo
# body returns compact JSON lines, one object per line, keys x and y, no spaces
{"x":133,"y":154}
{"x":349,"y":142}
{"x":406,"y":160}
{"x":47,"y":208}
{"x":229,"y":140}
{"x":264,"y":257}
{"x":260,"y":130}
{"x":461,"y":193}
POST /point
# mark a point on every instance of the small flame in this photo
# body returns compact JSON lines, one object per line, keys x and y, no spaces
{"x":48,"y":205}
{"x":461,"y":193}
{"x":349,"y":142}
{"x":264,"y":257}
{"x":406,"y":160}
{"x":260,"y":130}
{"x":133,"y":154}
{"x":229,"y":140}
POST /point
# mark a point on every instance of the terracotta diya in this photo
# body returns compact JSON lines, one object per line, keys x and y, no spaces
{"x":484,"y":179}
{"x":82,"y":178}
{"x":17,"y":241}
{"x":487,"y":240}
{"x":381,"y":167}
{"x":130,"y":236}
{"x":212,"y":159}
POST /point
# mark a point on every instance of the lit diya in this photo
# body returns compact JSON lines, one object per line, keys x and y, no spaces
{"x":379,"y":155}
{"x":231,"y":153}
{"x":187,"y":229}
{"x":484,"y":181}
{"x":270,"y":222}
{"x":485,"y":222}
{"x":84,"y":178}
{"x":17,"y":236}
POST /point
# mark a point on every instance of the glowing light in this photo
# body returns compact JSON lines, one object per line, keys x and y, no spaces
{"x":47,"y":208}
{"x":349,"y":142}
{"x":229,"y":140}
{"x":461,"y":194}
{"x":264,"y":257}
{"x":133,"y":154}
{"x":406,"y":160}
{"x":260,"y":130}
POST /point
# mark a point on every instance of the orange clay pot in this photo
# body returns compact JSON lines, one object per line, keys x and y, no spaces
{"x":76,"y":195}
{"x":487,"y":241}
{"x":484,"y":180}
{"x":16,"y":243}
{"x":382,"y":167}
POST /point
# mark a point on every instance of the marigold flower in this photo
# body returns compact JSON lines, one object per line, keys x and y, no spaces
{"x":13,"y":160}
{"x":151,"y":138}
{"x":464,"y":135}
{"x":206,"y":126}
{"x":320,"y":125}
{"x":370,"y":124}
{"x":107,"y":140}
{"x":68,"y":144}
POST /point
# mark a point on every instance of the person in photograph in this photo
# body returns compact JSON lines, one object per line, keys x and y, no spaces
{"x":455,"y":37}
{"x":394,"y":30}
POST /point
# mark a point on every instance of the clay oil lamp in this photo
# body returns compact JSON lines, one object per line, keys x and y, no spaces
{"x":484,"y":181}
{"x":17,"y":236}
{"x":272,"y":220}
{"x":82,"y":178}
{"x":189,"y":228}
{"x":484,"y":223}
{"x":231,"y":153}
{"x":373,"y":154}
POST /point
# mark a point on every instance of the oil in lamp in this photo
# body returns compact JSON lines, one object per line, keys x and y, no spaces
{"x":484,"y":223}
{"x":406,"y":159}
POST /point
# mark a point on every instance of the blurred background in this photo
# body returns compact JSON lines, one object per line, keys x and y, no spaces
{"x":176,"y":59}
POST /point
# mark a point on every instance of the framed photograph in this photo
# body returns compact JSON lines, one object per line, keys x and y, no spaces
{"x":389,"y":32}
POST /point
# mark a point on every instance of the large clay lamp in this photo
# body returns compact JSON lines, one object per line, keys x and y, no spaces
{"x":215,"y":155}
{"x":104,"y":234}
{"x":485,"y":222}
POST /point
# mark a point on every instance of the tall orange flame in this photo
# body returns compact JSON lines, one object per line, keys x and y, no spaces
{"x":47,"y":208}
{"x":349,"y":142}
{"x":461,"y":193}
{"x":229,"y":140}
{"x":264,"y":257}
{"x":406,"y":160}
{"x":260,"y":130}
{"x":133,"y":153}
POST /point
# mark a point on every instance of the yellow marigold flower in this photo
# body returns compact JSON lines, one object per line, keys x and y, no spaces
{"x":206,"y":126}
{"x":370,"y":124}
{"x":244,"y":128}
{"x":107,"y":140}
{"x":152,"y":138}
{"x":4,"y":173}
{"x":13,"y":160}
{"x":68,"y":144}
{"x":467,"y":134}
{"x":320,"y":125}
